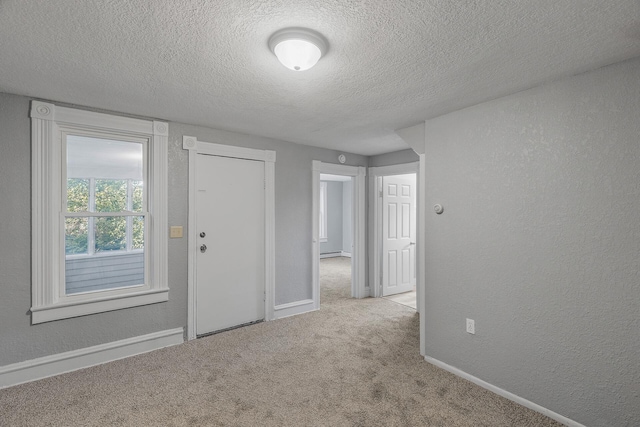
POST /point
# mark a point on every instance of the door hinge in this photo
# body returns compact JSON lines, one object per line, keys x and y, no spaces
{"x":380,"y":194}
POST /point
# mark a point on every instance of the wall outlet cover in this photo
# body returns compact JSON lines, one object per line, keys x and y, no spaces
{"x":471,"y":326}
{"x":175,"y":231}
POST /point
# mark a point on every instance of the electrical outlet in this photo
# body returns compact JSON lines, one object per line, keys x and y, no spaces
{"x":471,"y":326}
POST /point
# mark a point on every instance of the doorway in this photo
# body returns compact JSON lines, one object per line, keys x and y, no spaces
{"x":231,"y":279}
{"x":336,"y":236}
{"x":356,"y":175}
{"x":230,"y":285}
{"x":394,"y":217}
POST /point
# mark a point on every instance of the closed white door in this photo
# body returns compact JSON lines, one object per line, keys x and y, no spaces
{"x":398,"y":234}
{"x":230,"y":218}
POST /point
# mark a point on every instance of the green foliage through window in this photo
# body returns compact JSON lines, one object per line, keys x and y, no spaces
{"x":109,"y":233}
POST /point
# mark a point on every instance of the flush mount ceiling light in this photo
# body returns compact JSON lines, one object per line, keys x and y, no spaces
{"x":298,"y":48}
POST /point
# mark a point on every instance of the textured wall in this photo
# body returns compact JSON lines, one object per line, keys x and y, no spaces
{"x":395,"y":158}
{"x":540,"y":244}
{"x":20,"y":341}
{"x":334,"y":218}
{"x":293,"y":200}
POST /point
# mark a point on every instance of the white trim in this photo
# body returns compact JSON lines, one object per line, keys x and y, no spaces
{"x":49,"y":123}
{"x":358,"y":270}
{"x":330,"y":255}
{"x":421,"y":243}
{"x":293,"y":308}
{"x":196,"y":147}
{"x":60,"y":363}
{"x":335,"y":255}
{"x":504,"y":393}
{"x":324,"y":237}
{"x":98,"y":305}
{"x":375,"y":216}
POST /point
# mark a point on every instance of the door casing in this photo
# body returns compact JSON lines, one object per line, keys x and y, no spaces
{"x":375,"y":218}
{"x":196,"y":147}
{"x":358,"y":256}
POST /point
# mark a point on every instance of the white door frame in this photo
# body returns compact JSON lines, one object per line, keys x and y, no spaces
{"x":358,"y":258}
{"x":375,"y":184}
{"x":375,"y":218}
{"x":196,"y":147}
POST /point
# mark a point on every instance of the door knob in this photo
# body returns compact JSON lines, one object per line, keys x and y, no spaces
{"x":202,"y":234}
{"x":203,"y":248}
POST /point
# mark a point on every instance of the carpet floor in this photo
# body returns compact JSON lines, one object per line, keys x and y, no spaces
{"x":352,"y":363}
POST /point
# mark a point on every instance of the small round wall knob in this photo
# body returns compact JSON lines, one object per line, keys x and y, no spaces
{"x":342,"y":158}
{"x":438,"y":209}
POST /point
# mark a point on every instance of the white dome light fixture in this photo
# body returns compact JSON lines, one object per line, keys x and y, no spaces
{"x":298,"y":48}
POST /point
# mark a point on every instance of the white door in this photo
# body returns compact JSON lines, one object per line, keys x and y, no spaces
{"x":230,"y":219}
{"x":398,"y":234}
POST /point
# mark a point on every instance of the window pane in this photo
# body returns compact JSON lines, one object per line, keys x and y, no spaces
{"x":136,"y":196}
{"x":111,"y":195}
{"x":104,"y":159}
{"x":96,"y":273}
{"x":111,"y":234}
{"x":138,"y":233}
{"x":76,"y":235}
{"x":77,"y":195}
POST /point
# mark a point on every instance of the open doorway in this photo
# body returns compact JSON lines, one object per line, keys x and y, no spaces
{"x":356,"y":176}
{"x":394,"y":221}
{"x":398,"y":239}
{"x":336,"y":236}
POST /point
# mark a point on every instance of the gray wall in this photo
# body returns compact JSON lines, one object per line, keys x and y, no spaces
{"x":339,"y":220}
{"x":21,"y":341}
{"x":334,"y":218}
{"x":539,"y":243}
{"x":395,"y":158}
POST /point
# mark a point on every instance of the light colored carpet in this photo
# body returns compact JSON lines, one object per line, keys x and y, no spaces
{"x":353,"y":363}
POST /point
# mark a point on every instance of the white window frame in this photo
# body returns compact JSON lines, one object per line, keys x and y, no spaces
{"x":48,"y":124}
{"x":323,"y":213}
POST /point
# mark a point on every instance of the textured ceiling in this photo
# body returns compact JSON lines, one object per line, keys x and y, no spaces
{"x":391,"y":64}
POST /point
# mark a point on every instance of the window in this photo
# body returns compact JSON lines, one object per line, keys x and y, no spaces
{"x":323,"y":211}
{"x":99,"y":212}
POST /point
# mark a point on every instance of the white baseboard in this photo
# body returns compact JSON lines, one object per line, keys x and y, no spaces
{"x":501,"y":392}
{"x":48,"y":366}
{"x":330,"y":255}
{"x":335,"y":254}
{"x":293,"y":308}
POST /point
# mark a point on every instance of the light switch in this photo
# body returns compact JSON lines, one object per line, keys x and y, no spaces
{"x":175,"y":231}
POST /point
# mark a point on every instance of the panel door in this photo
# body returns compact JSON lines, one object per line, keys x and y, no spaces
{"x":398,"y":234}
{"x":230,"y":271}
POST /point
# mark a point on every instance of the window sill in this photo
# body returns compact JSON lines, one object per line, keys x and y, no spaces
{"x":93,"y":306}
